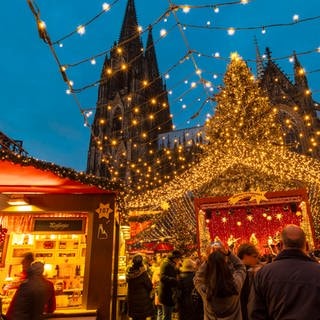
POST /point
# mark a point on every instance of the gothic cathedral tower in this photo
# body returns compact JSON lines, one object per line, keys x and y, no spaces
{"x":297,"y":111}
{"x":132,"y":107}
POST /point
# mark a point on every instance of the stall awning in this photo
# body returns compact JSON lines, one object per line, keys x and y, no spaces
{"x":21,"y":178}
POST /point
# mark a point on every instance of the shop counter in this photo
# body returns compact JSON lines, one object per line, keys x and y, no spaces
{"x":79,"y":314}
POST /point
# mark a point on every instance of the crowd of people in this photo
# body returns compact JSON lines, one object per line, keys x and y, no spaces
{"x":228,"y":283}
{"x":225,"y":284}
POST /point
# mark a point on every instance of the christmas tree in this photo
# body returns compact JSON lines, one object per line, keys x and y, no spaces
{"x":243,"y":112}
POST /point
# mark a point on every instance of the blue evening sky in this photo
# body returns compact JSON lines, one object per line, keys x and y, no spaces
{"x":36,"y":109}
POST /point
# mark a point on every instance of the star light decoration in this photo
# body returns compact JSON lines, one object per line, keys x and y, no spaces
{"x":104,"y":210}
{"x":165,"y":205}
{"x":250,"y":217}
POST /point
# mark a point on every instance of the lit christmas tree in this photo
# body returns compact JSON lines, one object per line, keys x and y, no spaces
{"x":243,"y":111}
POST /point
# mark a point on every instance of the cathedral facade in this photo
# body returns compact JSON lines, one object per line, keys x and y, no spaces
{"x":132,"y":108}
{"x":297,"y":111}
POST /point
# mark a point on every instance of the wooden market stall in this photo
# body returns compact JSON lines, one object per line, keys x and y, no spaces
{"x":257,"y":217}
{"x":69,"y":225}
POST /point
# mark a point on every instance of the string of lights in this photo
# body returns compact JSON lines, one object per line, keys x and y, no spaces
{"x":264,"y":28}
{"x":80,"y":29}
{"x":106,"y":7}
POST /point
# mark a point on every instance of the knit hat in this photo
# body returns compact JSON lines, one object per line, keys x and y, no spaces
{"x":188,"y":265}
{"x":37,"y":268}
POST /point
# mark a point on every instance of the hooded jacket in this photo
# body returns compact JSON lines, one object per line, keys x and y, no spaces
{"x":138,"y":297}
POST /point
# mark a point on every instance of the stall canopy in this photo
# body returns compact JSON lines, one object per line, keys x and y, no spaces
{"x":15,"y":178}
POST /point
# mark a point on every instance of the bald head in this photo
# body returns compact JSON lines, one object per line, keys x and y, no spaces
{"x":293,"y":237}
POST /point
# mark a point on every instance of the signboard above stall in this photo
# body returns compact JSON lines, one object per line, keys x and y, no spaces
{"x":60,"y":225}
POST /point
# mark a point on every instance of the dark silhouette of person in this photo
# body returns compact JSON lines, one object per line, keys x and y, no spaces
{"x":288,"y":287}
{"x":34,"y":296}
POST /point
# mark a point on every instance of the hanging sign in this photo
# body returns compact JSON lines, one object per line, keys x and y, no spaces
{"x":59,"y":225}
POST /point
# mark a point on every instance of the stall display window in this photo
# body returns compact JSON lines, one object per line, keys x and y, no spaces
{"x":64,"y":259}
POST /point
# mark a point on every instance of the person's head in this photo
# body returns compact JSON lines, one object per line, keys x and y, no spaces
{"x":26,"y":261}
{"x":175,"y":256}
{"x":36,"y":268}
{"x":219,"y":276}
{"x":293,"y":237}
{"x":249,"y":254}
{"x":137,"y":261}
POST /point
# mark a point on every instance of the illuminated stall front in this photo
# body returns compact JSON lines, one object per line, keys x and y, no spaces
{"x":70,"y":226}
{"x":257,"y":217}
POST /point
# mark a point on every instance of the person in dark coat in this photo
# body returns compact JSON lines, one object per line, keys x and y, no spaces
{"x":33,"y":297}
{"x":168,"y":288}
{"x":249,"y":255}
{"x":288,"y":287}
{"x":139,"y":288}
{"x":188,"y":308}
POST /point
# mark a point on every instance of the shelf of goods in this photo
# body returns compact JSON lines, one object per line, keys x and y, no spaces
{"x":63,"y":256}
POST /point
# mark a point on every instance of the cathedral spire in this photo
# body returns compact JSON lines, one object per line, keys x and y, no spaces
{"x":150,"y":54}
{"x":129,"y":35}
{"x":268,"y":53}
{"x":259,"y":61}
{"x":299,"y":74}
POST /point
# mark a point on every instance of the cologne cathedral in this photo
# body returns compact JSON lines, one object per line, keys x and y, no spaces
{"x":133,"y":114}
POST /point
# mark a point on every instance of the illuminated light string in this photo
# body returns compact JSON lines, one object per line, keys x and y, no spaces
{"x":107,"y":7}
{"x":197,"y":69}
{"x":199,"y":54}
{"x":232,"y":30}
{"x":154,"y":166}
{"x":262,"y":159}
{"x":192,"y":26}
{"x":121,"y":44}
{"x":46,"y":38}
{"x":115,"y":72}
{"x":191,"y":6}
{"x":78,"y":90}
{"x":156,"y":97}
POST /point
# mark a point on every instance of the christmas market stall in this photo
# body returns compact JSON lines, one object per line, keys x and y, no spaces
{"x":69,"y":222}
{"x":256,"y":217}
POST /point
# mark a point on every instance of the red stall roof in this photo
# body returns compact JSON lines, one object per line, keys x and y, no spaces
{"x":26,"y":178}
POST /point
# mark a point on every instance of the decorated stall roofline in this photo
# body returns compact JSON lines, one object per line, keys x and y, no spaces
{"x":301,"y":194}
{"x":272,"y":201}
